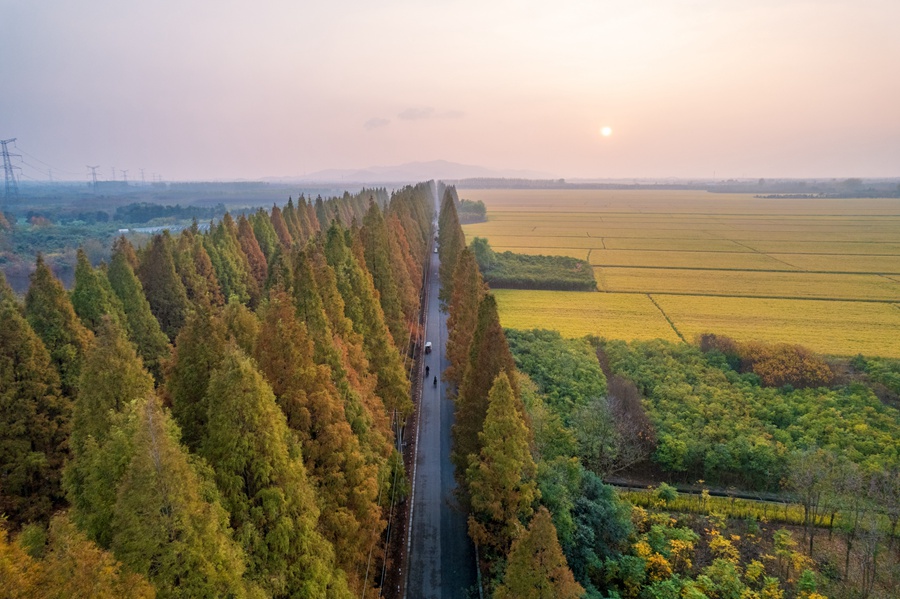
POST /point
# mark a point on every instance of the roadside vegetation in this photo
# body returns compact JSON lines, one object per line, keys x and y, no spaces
{"x":775,"y":421}
{"x":214,"y":414}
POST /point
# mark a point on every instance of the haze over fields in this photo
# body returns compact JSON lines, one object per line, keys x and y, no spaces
{"x":206,"y":90}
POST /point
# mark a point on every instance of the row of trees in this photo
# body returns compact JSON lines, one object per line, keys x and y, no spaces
{"x":217,"y":410}
{"x":509,"y":270}
{"x":518,"y":544}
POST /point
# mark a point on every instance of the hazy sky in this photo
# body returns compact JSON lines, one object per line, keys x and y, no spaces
{"x":237,"y":89}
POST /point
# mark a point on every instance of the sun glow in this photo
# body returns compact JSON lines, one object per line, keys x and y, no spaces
{"x":606,"y":131}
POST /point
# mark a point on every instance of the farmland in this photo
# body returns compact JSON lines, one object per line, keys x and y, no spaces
{"x":821,"y":272}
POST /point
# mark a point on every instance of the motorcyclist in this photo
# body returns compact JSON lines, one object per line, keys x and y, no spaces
{"x":427,"y":368}
{"x":435,"y":381}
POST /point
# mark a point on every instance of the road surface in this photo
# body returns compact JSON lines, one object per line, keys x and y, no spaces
{"x":441,"y":558}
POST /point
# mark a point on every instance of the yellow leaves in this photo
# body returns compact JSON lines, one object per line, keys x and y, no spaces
{"x":658,"y":568}
{"x":724,"y":548}
{"x":680,"y":556}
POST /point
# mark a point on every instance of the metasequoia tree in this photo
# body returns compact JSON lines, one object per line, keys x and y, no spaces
{"x":260,"y":474}
{"x":489,"y":356}
{"x":34,"y":419}
{"x":162,"y":286}
{"x":536,"y":567}
{"x":143,"y":328}
{"x":50,"y":314}
{"x":500,"y":478}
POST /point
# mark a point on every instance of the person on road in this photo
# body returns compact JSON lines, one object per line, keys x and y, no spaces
{"x":435,"y":381}
{"x":427,"y":368}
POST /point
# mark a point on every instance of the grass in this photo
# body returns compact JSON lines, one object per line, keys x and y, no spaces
{"x":767,"y":262}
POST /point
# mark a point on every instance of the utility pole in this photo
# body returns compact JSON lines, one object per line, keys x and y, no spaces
{"x":142,"y":177}
{"x":12,"y":189}
{"x":94,"y":176}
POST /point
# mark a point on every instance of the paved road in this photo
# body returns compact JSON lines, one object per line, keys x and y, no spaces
{"x":441,"y":559}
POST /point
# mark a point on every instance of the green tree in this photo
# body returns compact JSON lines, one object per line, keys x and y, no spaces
{"x":264,"y":233}
{"x":501,"y":478}
{"x":34,"y":419}
{"x":260,"y":474}
{"x":143,"y":328}
{"x":92,"y":297}
{"x":489,"y":356}
{"x":451,"y":240}
{"x":50,"y":314}
{"x":167,"y":522}
{"x":194,"y":266}
{"x":377,"y":252}
{"x":112,"y":378}
{"x":162,"y":286}
{"x":537,"y":568}
{"x":198,"y":351}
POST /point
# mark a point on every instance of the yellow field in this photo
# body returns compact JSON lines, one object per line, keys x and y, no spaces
{"x":684,"y":246}
{"x":748,"y":283}
{"x":676,"y":259}
{"x":831,"y":327}
{"x":576,"y":313}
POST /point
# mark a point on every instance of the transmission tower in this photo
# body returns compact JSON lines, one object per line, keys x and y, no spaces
{"x":12,"y":189}
{"x":94,"y":177}
{"x":124,"y":175}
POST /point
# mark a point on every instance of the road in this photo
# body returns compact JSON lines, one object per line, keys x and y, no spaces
{"x":441,"y":557}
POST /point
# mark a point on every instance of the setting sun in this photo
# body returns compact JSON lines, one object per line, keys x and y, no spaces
{"x":606,"y":131}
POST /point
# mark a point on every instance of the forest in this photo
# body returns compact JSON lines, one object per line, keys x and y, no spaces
{"x":214,"y":413}
{"x":508,"y":270}
{"x":541,"y":421}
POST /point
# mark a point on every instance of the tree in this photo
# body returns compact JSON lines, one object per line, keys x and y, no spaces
{"x":812,"y":474}
{"x":255,"y":257}
{"x":198,"y":352}
{"x":489,"y":356}
{"x":377,"y":253}
{"x":112,"y":378}
{"x":194,"y":266}
{"x":537,"y":568}
{"x":501,"y":477}
{"x":281,"y":230}
{"x":70,"y":566}
{"x":34,"y":419}
{"x":362,"y":308}
{"x":260,"y":474}
{"x":264,"y":233}
{"x":348,"y":486}
{"x":92,"y":296}
{"x":143,"y":328}
{"x":451,"y":240}
{"x":162,"y":286}
{"x":50,"y":314}
{"x":167,"y":524}
{"x":468,"y":291}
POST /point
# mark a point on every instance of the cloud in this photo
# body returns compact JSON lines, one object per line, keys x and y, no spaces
{"x":428,"y":112}
{"x":376,"y":122}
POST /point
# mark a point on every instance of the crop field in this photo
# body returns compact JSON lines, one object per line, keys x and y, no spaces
{"x":576,"y":314}
{"x":821,"y":272}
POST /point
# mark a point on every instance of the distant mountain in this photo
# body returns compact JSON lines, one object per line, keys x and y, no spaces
{"x":411,"y":172}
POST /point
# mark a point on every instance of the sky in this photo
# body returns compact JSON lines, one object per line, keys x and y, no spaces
{"x":227,"y":89}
